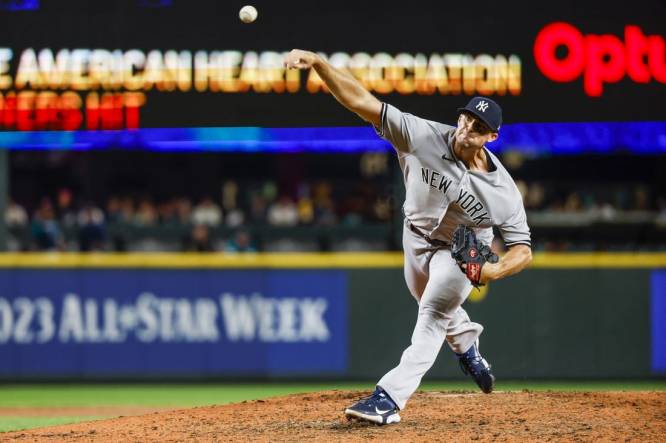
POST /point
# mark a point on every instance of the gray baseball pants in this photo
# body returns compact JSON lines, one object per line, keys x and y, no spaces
{"x":440,"y":288}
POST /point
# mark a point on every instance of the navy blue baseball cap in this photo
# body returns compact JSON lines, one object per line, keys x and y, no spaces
{"x":487,"y":110}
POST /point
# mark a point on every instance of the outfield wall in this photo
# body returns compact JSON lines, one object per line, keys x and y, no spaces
{"x":315,"y":315}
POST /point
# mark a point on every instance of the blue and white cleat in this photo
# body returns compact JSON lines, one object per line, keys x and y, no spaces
{"x":377,"y":408}
{"x":473,"y":364}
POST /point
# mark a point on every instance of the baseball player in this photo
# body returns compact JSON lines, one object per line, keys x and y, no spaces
{"x":456,"y":191}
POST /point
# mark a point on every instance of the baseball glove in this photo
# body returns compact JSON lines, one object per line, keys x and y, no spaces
{"x":470,"y":254}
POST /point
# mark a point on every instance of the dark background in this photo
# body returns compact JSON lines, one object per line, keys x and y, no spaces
{"x":417,"y":27}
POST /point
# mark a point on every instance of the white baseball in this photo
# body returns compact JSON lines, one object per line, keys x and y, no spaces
{"x":248,"y":14}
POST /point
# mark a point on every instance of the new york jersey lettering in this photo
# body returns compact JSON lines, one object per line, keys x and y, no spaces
{"x":471,"y":205}
{"x":435,"y":180}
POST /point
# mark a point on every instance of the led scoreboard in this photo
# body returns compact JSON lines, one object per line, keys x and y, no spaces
{"x":105,"y":66}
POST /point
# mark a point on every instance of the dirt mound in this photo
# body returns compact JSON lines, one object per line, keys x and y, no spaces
{"x":430,"y":416}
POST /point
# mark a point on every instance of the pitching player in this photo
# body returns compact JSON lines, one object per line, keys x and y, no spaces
{"x":451,"y":180}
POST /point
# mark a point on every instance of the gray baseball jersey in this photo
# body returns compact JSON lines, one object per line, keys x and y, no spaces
{"x":441,"y":192}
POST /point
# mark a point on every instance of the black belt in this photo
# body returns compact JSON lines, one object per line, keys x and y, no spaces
{"x":432,"y":241}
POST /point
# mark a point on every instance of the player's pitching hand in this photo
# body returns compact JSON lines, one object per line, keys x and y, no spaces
{"x":488,"y":273}
{"x":299,"y":59}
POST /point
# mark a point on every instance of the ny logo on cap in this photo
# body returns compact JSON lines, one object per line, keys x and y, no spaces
{"x":482,"y":106}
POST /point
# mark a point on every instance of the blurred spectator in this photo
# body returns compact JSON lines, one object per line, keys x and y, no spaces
{"x":233,"y":215}
{"x":353,"y":211}
{"x":234,"y":218}
{"x":305,"y":211}
{"x":607,"y":211}
{"x":573,"y":203}
{"x":283,"y":212}
{"x":146,"y":213}
{"x":114,"y":210}
{"x":92,"y":231}
{"x":15,"y":215}
{"x":240,"y":242}
{"x":322,"y":191}
{"x":45,"y":229}
{"x":199,"y":239}
{"x":382,"y":209}
{"x":229,"y":196}
{"x":325,"y":212}
{"x":305,"y":205}
{"x":65,"y":210}
{"x":621,"y":198}
{"x":258,"y":208}
{"x":324,"y":209}
{"x":589,"y":201}
{"x":374,"y":163}
{"x":183,"y":210}
{"x":357,"y":202}
{"x":166,"y":213}
{"x":207,"y":213}
{"x":513,"y":160}
{"x":269,"y":191}
{"x":641,"y":199}
{"x":536,"y":195}
{"x":127,"y":210}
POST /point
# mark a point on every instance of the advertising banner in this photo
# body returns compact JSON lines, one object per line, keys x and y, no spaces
{"x":112,"y":66}
{"x":658,"y":317}
{"x":96,"y":323}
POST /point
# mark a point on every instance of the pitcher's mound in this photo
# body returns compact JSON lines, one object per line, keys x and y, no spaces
{"x":429,"y":416}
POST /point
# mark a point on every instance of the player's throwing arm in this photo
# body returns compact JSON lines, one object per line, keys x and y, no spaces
{"x":344,"y":87}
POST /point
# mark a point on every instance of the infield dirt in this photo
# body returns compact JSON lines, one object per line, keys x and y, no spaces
{"x":429,"y":416}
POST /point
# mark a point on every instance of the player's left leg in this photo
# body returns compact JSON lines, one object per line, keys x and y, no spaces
{"x":463,"y":339}
{"x":462,"y":332}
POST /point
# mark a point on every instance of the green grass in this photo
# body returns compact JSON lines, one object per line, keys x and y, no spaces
{"x":188,"y":395}
{"x":185,"y":395}
{"x":21,"y":423}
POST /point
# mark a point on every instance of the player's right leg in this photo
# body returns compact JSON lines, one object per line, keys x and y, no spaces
{"x":379,"y":407}
{"x":445,"y":291}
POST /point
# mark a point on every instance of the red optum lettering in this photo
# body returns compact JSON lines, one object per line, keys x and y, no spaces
{"x":600,"y":59}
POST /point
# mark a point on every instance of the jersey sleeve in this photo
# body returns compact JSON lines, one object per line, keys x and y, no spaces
{"x":514,"y":230}
{"x":399,"y":128}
